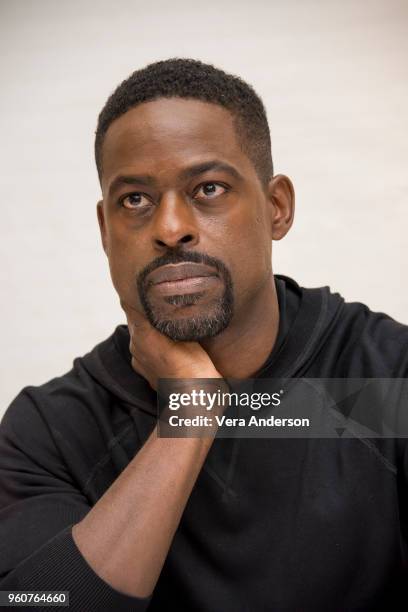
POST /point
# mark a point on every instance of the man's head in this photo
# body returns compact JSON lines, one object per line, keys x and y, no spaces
{"x":190,"y":204}
{"x":191,"y":79}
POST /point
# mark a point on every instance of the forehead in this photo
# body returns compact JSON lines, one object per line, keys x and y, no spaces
{"x":165,"y":135}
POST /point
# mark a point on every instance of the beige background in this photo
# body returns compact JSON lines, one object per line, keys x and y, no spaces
{"x":333,"y":76}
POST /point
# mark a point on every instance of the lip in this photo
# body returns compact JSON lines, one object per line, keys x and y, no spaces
{"x":179,"y":272}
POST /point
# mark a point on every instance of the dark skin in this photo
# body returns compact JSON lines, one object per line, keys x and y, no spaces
{"x":226,"y":213}
{"x":125,"y":537}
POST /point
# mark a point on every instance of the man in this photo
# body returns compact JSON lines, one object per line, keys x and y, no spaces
{"x":93,"y":501}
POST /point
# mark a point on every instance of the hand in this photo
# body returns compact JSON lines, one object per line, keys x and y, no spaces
{"x":155,"y":356}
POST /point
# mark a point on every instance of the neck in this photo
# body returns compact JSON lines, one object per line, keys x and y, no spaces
{"x":244,"y":346}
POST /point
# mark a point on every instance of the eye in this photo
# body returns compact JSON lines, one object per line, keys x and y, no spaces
{"x":210,"y":190}
{"x":134,"y":200}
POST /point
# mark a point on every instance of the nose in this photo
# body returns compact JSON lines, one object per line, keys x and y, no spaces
{"x":174,"y":223}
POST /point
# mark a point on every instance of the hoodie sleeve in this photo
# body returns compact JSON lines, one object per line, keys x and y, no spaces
{"x":39,"y":504}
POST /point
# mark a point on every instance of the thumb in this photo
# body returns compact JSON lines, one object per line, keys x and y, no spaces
{"x":135,"y":319}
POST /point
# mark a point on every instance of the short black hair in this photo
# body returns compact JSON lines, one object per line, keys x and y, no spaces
{"x":189,"y":78}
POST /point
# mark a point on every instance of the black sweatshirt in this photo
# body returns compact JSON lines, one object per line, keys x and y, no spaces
{"x":285,"y":525}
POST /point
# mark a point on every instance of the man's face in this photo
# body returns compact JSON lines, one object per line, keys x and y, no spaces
{"x":185,"y":221}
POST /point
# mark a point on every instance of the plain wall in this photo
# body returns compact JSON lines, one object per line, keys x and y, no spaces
{"x":333,"y":77}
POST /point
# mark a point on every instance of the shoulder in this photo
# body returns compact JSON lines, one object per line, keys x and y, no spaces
{"x":59,"y":413}
{"x":376,"y":330}
{"x":69,"y":421}
{"x":370,"y":343}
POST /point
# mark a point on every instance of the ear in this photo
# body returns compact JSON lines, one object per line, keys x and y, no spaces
{"x":102,"y":225}
{"x":281,"y":197}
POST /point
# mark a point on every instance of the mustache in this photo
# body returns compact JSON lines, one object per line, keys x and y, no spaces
{"x":174,"y":257}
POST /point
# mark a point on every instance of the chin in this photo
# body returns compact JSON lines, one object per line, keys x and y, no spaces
{"x":191,"y":321}
{"x":190,"y":329}
{"x":190,"y":317}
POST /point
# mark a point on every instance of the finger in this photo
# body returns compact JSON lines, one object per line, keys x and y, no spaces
{"x":135,"y":319}
{"x":141,"y":331}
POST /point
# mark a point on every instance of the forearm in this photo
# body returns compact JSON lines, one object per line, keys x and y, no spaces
{"x":126,"y":536}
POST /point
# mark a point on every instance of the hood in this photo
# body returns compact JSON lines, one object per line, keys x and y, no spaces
{"x":307,"y":317}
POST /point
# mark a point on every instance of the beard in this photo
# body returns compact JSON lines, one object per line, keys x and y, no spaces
{"x":208,"y":321}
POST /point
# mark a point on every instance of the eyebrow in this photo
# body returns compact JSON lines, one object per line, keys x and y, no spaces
{"x":188,"y":173}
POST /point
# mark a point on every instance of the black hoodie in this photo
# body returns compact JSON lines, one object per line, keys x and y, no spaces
{"x":285,"y":525}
